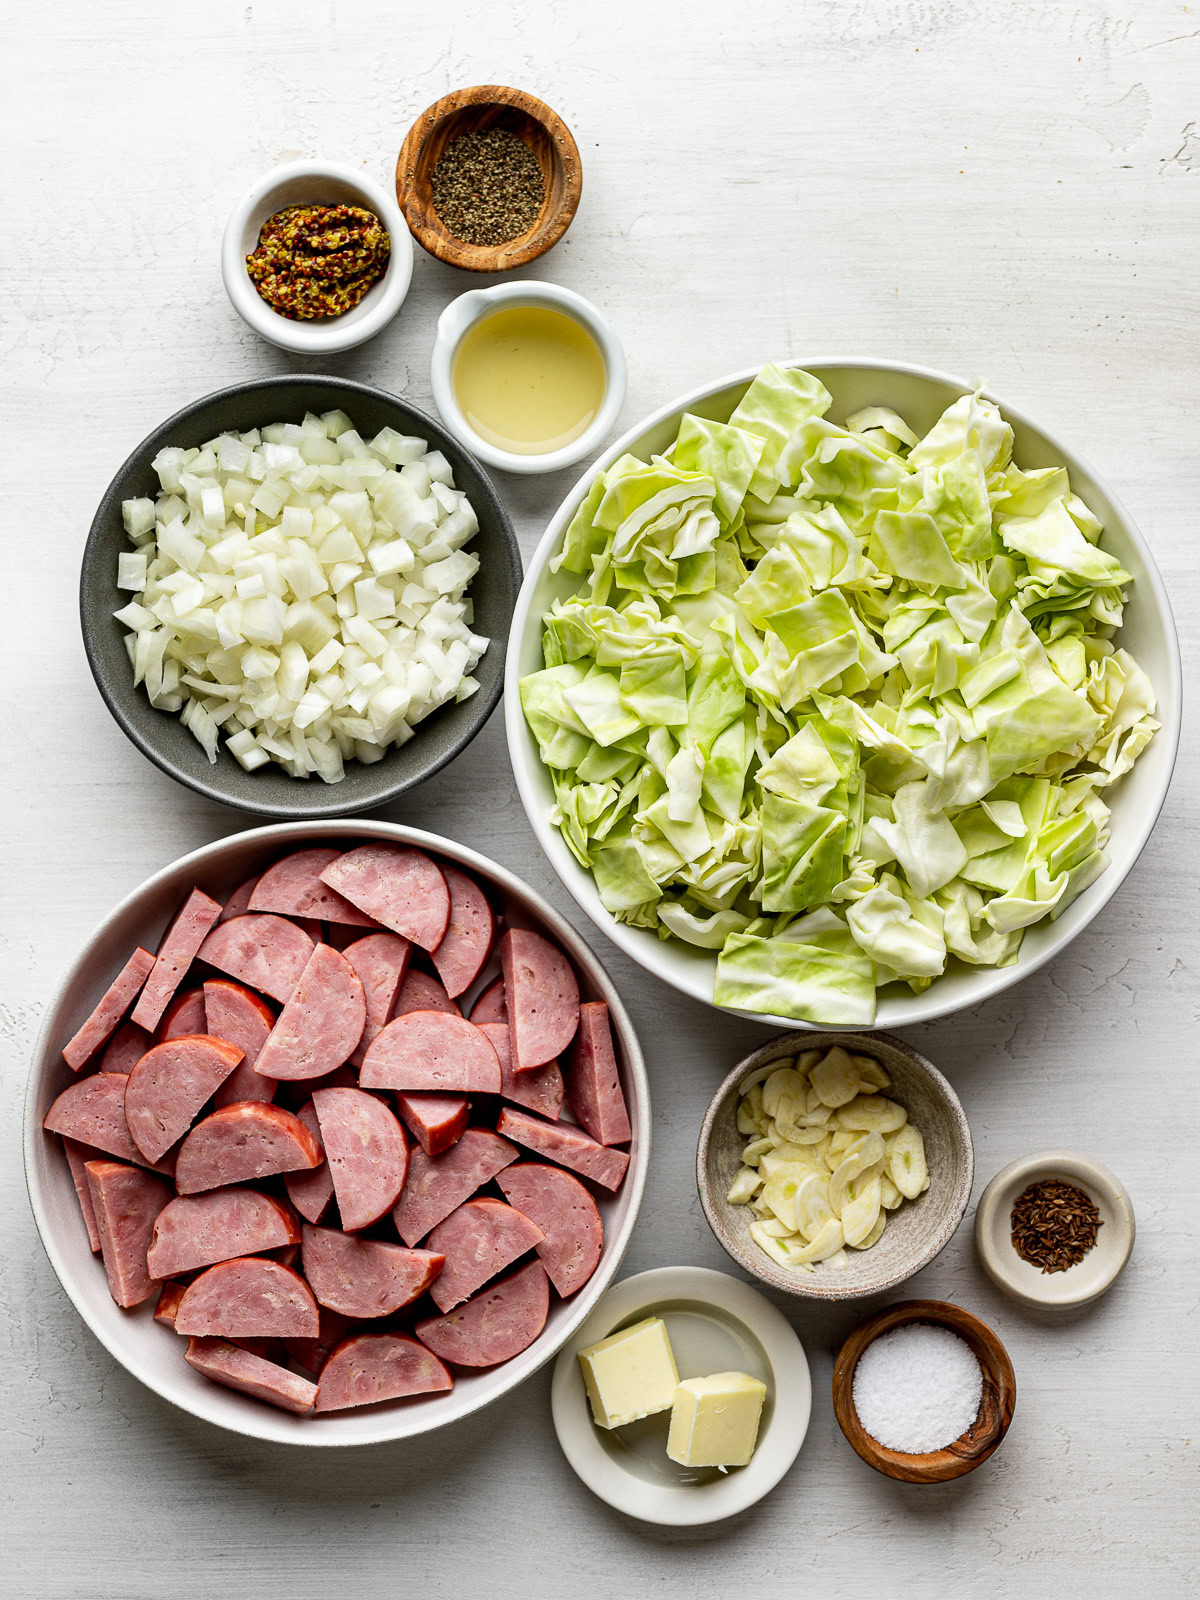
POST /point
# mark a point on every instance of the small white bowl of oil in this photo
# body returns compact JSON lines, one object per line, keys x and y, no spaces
{"x":529,"y":376}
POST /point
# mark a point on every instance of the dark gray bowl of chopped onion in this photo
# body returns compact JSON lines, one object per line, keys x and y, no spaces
{"x":269,"y":789}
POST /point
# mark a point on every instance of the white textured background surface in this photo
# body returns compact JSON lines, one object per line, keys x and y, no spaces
{"x":995,"y":188}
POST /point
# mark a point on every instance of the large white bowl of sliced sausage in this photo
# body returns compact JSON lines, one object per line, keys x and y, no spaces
{"x":335,"y":1132}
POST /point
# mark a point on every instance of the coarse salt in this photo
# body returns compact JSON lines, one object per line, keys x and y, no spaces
{"x":917,"y":1388}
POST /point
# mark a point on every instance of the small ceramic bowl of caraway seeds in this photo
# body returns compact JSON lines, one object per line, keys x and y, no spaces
{"x":489,"y":178}
{"x":1054,"y":1230}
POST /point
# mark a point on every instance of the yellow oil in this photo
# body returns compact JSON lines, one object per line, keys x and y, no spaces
{"x":528,"y":380}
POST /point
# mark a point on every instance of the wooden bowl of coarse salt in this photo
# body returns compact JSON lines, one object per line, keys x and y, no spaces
{"x":488,"y":178}
{"x":931,"y":1379}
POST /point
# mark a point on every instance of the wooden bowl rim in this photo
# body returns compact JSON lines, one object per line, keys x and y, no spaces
{"x":934,"y":1466}
{"x":803,"y":1285}
{"x":428,"y":229}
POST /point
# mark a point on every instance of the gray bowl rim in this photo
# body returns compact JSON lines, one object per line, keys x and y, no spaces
{"x":807,"y":1288}
{"x":91,"y":619}
{"x":274,"y":835}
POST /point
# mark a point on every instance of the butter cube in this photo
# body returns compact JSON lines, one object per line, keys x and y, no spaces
{"x":630,"y":1374}
{"x":714,"y":1421}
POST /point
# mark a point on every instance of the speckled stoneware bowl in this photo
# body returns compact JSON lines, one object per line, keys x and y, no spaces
{"x":915,"y":1234}
{"x":160,"y":735}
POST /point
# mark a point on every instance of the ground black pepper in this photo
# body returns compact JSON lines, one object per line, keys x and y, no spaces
{"x":488,"y":187}
{"x":318,"y":261}
{"x":1054,"y":1225}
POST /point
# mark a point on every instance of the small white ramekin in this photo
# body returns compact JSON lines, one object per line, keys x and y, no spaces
{"x":464,"y":312}
{"x":315,"y":183}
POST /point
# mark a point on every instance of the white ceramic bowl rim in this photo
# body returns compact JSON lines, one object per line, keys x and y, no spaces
{"x":937,"y":1000}
{"x":362,"y":322}
{"x":466,"y":310}
{"x":779,"y":1443}
{"x":374,"y":1423}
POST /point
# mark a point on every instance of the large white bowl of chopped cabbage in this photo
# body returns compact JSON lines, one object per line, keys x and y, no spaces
{"x":842,"y":695}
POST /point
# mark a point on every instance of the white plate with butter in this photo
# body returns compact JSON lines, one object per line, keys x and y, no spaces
{"x":714,"y":1325}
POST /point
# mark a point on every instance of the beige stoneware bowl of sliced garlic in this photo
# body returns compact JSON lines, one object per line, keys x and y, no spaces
{"x":916,"y":1231}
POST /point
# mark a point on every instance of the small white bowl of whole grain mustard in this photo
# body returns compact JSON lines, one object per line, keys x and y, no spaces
{"x":316,"y":257}
{"x":530,"y":377}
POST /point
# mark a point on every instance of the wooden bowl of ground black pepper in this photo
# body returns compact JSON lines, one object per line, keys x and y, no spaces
{"x":504,"y":170}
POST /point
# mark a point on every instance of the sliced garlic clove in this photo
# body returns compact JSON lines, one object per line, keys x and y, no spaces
{"x":906,"y":1162}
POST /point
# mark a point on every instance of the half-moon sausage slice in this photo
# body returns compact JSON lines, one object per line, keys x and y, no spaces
{"x":379,"y":1366}
{"x":401,"y":888}
{"x":497,"y":1324}
{"x":381,"y":960}
{"x":430,"y":1050}
{"x":321,"y":1022}
{"x":593,"y":1084}
{"x":566,"y":1214}
{"x":540,"y":1089}
{"x":366,"y":1151}
{"x":365,"y":1277}
{"x":248,"y":1298}
{"x":242,"y":1142}
{"x":125,"y":1049}
{"x":541,"y":996}
{"x":78,"y":1156}
{"x":467,"y":941}
{"x":168,"y":1303}
{"x":237,"y":1014}
{"x":293,"y":888}
{"x":185,"y":1014}
{"x":175,"y":955}
{"x":478,"y":1240}
{"x":250,"y":1374}
{"x":421,"y":991}
{"x":93,"y":1112}
{"x":170,"y":1084}
{"x":268,"y":953}
{"x":435,"y":1120}
{"x":438,"y":1184}
{"x":569,"y":1146}
{"x":239,"y":901}
{"x":201,"y":1229}
{"x":109,"y":1009}
{"x":311,"y":1192}
{"x":490,"y":1006}
{"x":126,"y":1201}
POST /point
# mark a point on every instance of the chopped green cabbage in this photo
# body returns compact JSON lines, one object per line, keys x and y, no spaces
{"x":837,"y":703}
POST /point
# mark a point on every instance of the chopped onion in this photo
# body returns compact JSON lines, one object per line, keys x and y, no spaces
{"x":301,"y":591}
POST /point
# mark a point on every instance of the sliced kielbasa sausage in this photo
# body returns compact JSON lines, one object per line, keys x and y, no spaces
{"x":365,"y":1277}
{"x":435,"y":1120}
{"x":168,"y":1303}
{"x":125,"y":1049}
{"x":239,"y":901}
{"x":593,"y":1083}
{"x":109,"y":1009}
{"x":170,"y":1084}
{"x":379,"y":1366}
{"x":366,"y":1152}
{"x":399,"y":887}
{"x":436,"y":1185}
{"x":78,"y":1156}
{"x":568,"y":1146}
{"x":185,"y":1014}
{"x":421,"y":991}
{"x":478,"y":1240}
{"x":427,"y":1050}
{"x":541,"y":996}
{"x":248,"y":1298}
{"x":320,"y":1024}
{"x":467,"y":941}
{"x":93,"y":1112}
{"x":242,"y":1142}
{"x":243,"y":1018}
{"x":126,"y":1201}
{"x":495,"y":1325}
{"x":381,"y":960}
{"x":242,"y":1370}
{"x":540,"y":1089}
{"x":198,"y":1230}
{"x":293,"y":888}
{"x":267,"y":953}
{"x":175,"y":955}
{"x":490,"y":1006}
{"x":567,"y":1215}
